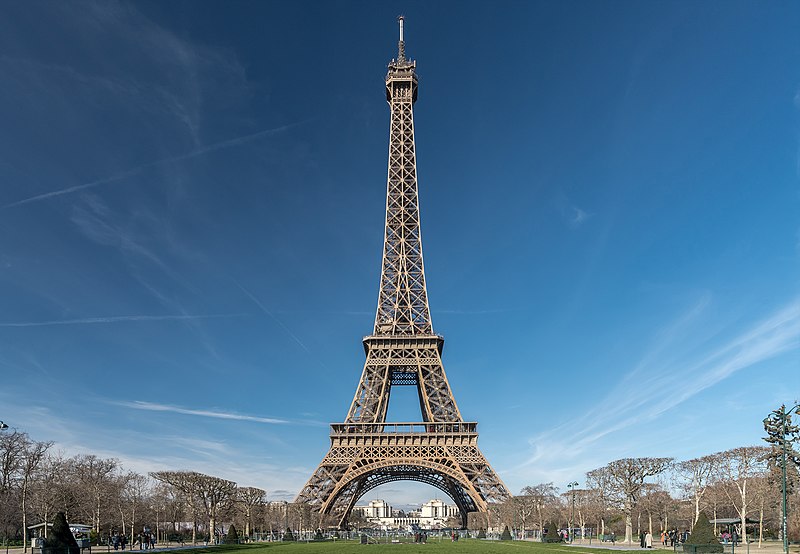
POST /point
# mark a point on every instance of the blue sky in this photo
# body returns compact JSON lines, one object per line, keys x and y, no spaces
{"x":191,"y":221}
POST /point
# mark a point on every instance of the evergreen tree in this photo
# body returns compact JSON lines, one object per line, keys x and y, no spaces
{"x":774,"y":427}
{"x":60,"y":539}
{"x":288,"y":536}
{"x":506,"y":536}
{"x":232,"y":537}
{"x":702,"y":538}
{"x":551,"y":533}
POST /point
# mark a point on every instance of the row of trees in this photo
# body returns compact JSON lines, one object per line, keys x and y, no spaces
{"x":36,"y":483}
{"x":659,"y":494}
{"x":654,"y":493}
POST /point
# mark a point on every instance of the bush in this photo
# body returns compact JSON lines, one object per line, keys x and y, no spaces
{"x":551,"y":534}
{"x":481,"y":533}
{"x":60,"y":539}
{"x":232,"y":537}
{"x":702,"y":539}
{"x":506,"y":535}
{"x":318,"y":536}
{"x":288,"y":536}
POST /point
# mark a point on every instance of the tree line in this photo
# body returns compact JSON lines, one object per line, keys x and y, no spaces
{"x":660,"y":494}
{"x":36,"y":483}
{"x":651,"y":494}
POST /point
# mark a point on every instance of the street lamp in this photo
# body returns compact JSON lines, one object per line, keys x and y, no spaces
{"x":782,"y":418}
{"x":571,"y":487}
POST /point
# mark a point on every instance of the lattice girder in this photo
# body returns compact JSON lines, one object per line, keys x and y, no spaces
{"x":403,"y":350}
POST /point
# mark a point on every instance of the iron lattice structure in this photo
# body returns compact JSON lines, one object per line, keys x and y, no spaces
{"x":366,"y":451}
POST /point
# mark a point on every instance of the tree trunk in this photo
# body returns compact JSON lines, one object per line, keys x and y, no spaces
{"x":716,"y":532}
{"x":212,"y":530}
{"x":628,"y":528}
{"x":24,"y":516}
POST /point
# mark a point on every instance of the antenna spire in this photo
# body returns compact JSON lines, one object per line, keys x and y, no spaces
{"x":401,"y":45}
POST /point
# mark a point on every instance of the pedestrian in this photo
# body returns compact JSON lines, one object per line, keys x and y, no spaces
{"x":648,"y":540}
{"x":641,"y":539}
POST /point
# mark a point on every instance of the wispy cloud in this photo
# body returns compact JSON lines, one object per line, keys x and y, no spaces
{"x":138,"y":169}
{"x":682,"y":375}
{"x":288,"y":331}
{"x":153,"y":407}
{"x":578,"y":216}
{"x":116,"y":319}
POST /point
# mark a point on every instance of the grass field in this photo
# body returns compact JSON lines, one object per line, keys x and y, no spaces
{"x":463,"y":546}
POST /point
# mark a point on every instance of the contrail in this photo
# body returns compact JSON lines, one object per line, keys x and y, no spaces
{"x":138,"y":169}
{"x":115,"y":319}
{"x":279,"y":322}
{"x":140,"y":405}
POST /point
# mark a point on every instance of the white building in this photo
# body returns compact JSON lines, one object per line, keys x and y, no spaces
{"x":437,"y":511}
{"x":431,"y":515}
{"x":376,"y":509}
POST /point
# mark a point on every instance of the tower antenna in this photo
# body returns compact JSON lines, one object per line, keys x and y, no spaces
{"x":401,"y":45}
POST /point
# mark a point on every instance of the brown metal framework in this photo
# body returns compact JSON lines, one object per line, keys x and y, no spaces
{"x":366,"y":451}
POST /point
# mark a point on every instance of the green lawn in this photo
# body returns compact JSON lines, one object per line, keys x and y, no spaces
{"x":433,"y":546}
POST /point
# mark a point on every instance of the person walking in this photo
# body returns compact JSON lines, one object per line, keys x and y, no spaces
{"x":648,"y":540}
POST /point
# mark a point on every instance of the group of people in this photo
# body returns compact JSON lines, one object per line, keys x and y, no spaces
{"x":144,"y":540}
{"x":646,"y":539}
{"x":727,"y":537}
{"x":421,"y":537}
{"x":674,"y":536}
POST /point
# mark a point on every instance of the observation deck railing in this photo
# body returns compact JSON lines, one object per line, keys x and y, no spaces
{"x":437,"y":427}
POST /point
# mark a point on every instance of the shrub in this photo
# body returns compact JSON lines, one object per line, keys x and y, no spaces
{"x":702,"y":539}
{"x":232,"y":537}
{"x":551,"y":533}
{"x":288,"y":536}
{"x":481,"y":533}
{"x":318,"y":536}
{"x":60,"y":539}
{"x":506,"y":536}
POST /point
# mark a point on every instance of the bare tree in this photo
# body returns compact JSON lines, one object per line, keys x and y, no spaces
{"x":524,"y":508}
{"x":204,"y":491}
{"x":543,"y":497}
{"x":598,"y":482}
{"x":624,"y":480}
{"x":12,"y":449}
{"x":132,"y":497}
{"x":34,"y":454}
{"x":738,"y":467}
{"x":249,"y":498}
{"x":96,"y":475}
{"x":693,"y":477}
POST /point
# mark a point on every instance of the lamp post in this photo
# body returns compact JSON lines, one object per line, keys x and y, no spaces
{"x":781,"y":417}
{"x":571,"y":487}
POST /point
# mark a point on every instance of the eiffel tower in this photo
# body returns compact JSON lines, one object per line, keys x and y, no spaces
{"x":367,"y":451}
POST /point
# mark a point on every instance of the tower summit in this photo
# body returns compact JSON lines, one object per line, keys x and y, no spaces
{"x":442,"y":449}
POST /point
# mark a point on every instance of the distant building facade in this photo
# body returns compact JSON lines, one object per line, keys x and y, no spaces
{"x":431,"y":515}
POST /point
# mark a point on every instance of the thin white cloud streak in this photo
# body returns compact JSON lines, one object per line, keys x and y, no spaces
{"x":152,"y":407}
{"x":684,"y":378}
{"x":138,"y":169}
{"x":117,"y":319}
{"x":263,"y":308}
